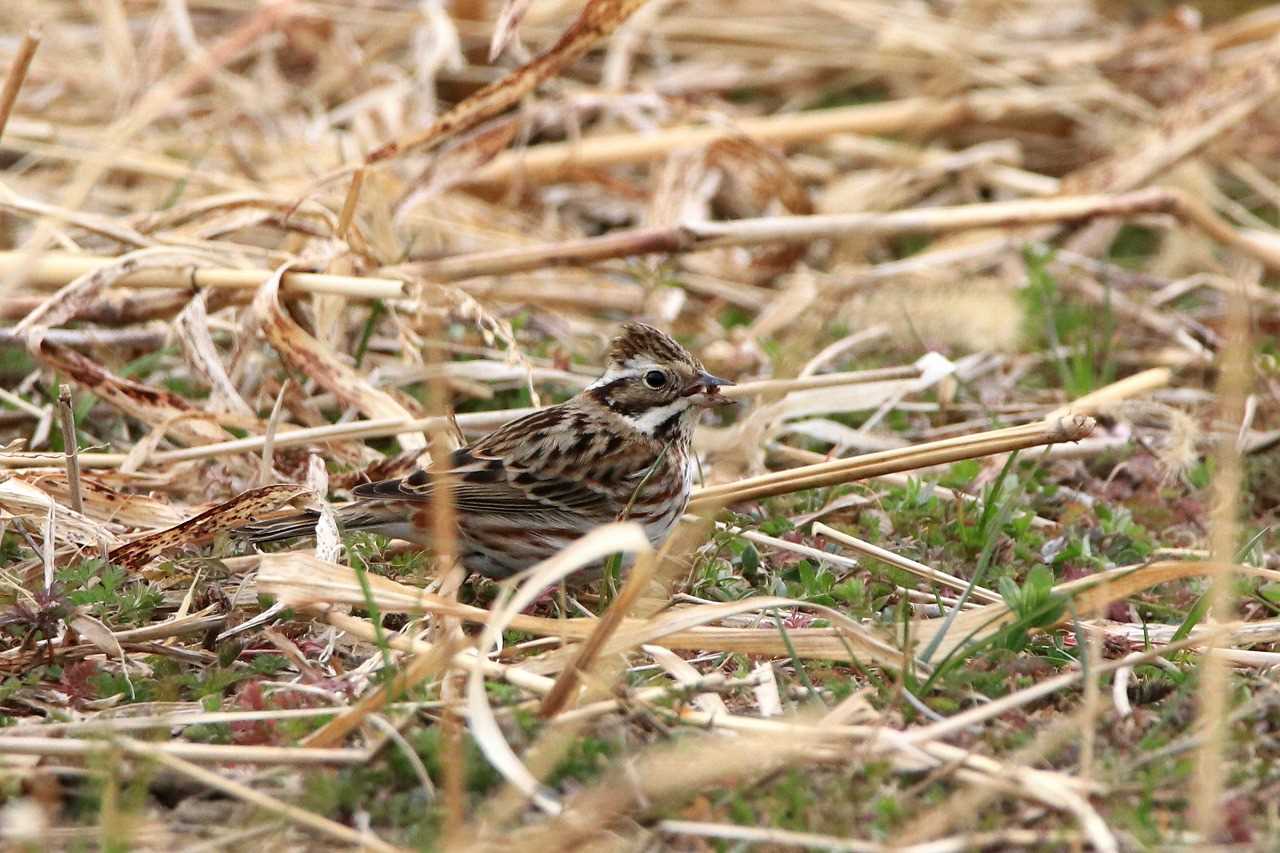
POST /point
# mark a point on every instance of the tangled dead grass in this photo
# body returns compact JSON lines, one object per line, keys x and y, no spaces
{"x":253,"y":254}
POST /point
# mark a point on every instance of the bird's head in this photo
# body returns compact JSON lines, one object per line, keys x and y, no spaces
{"x":653,"y":381}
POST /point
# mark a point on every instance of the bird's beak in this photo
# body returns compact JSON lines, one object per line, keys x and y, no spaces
{"x":705,"y":391}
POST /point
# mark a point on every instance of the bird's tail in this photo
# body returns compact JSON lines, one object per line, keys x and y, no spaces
{"x":354,"y":516}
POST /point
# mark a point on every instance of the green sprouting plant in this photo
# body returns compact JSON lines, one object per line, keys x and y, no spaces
{"x":1079,"y":337}
{"x":1034,"y":604}
{"x":110,"y":593}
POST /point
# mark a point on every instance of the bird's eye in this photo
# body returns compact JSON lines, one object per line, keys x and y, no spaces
{"x":655,"y":379}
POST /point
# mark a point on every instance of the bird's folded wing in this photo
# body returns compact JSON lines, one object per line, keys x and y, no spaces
{"x":491,"y":485}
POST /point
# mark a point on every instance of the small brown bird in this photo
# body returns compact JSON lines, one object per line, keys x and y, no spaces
{"x":620,"y":449}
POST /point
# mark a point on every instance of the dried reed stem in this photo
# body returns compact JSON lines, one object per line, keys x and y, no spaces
{"x":1233,"y":383}
{"x":444,"y":541}
{"x":919,"y":115}
{"x":373,"y":428}
{"x":54,"y":270}
{"x":929,"y":573}
{"x":350,"y":203}
{"x":823,"y":380}
{"x":697,"y":236}
{"x":1123,"y":389}
{"x":241,"y":791}
{"x":209,"y":753}
{"x":70,"y":447}
{"x":419,"y":669}
{"x":929,"y":220}
{"x":637,"y":582}
{"x":17,"y":74}
{"x":904,"y":459}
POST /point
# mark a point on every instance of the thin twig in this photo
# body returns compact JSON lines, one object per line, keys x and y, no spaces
{"x":17,"y":74}
{"x":350,"y":203}
{"x":241,"y":791}
{"x":266,"y":468}
{"x":210,"y":753}
{"x":373,"y":428}
{"x":70,"y":447}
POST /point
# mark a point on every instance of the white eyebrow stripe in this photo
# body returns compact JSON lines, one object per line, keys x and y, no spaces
{"x":613,"y":374}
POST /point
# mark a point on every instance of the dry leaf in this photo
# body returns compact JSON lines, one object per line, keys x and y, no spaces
{"x":314,"y":359}
{"x":229,"y":515}
{"x":98,"y":634}
{"x":507,"y":28}
{"x":21,"y":499}
{"x":103,"y":503}
{"x":192,"y":326}
{"x":153,"y":406}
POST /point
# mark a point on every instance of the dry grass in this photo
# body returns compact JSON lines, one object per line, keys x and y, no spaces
{"x":253,"y":254}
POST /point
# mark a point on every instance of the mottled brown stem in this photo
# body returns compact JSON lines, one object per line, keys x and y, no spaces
{"x":798,"y":229}
{"x":621,"y":244}
{"x":598,"y":19}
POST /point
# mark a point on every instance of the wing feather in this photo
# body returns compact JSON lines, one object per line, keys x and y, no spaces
{"x":490,"y":485}
{"x":539,"y":466}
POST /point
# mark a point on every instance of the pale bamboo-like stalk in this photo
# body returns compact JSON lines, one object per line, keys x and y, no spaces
{"x":903,"y":459}
{"x":822,"y":380}
{"x":920,"y":115}
{"x":383,"y":427}
{"x":54,"y":270}
{"x":929,"y":220}
{"x":1118,"y":391}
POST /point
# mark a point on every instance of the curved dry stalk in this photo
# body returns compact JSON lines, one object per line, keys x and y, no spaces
{"x":624,"y":537}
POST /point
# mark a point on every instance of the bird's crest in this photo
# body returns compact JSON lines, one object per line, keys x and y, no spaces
{"x":638,"y":342}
